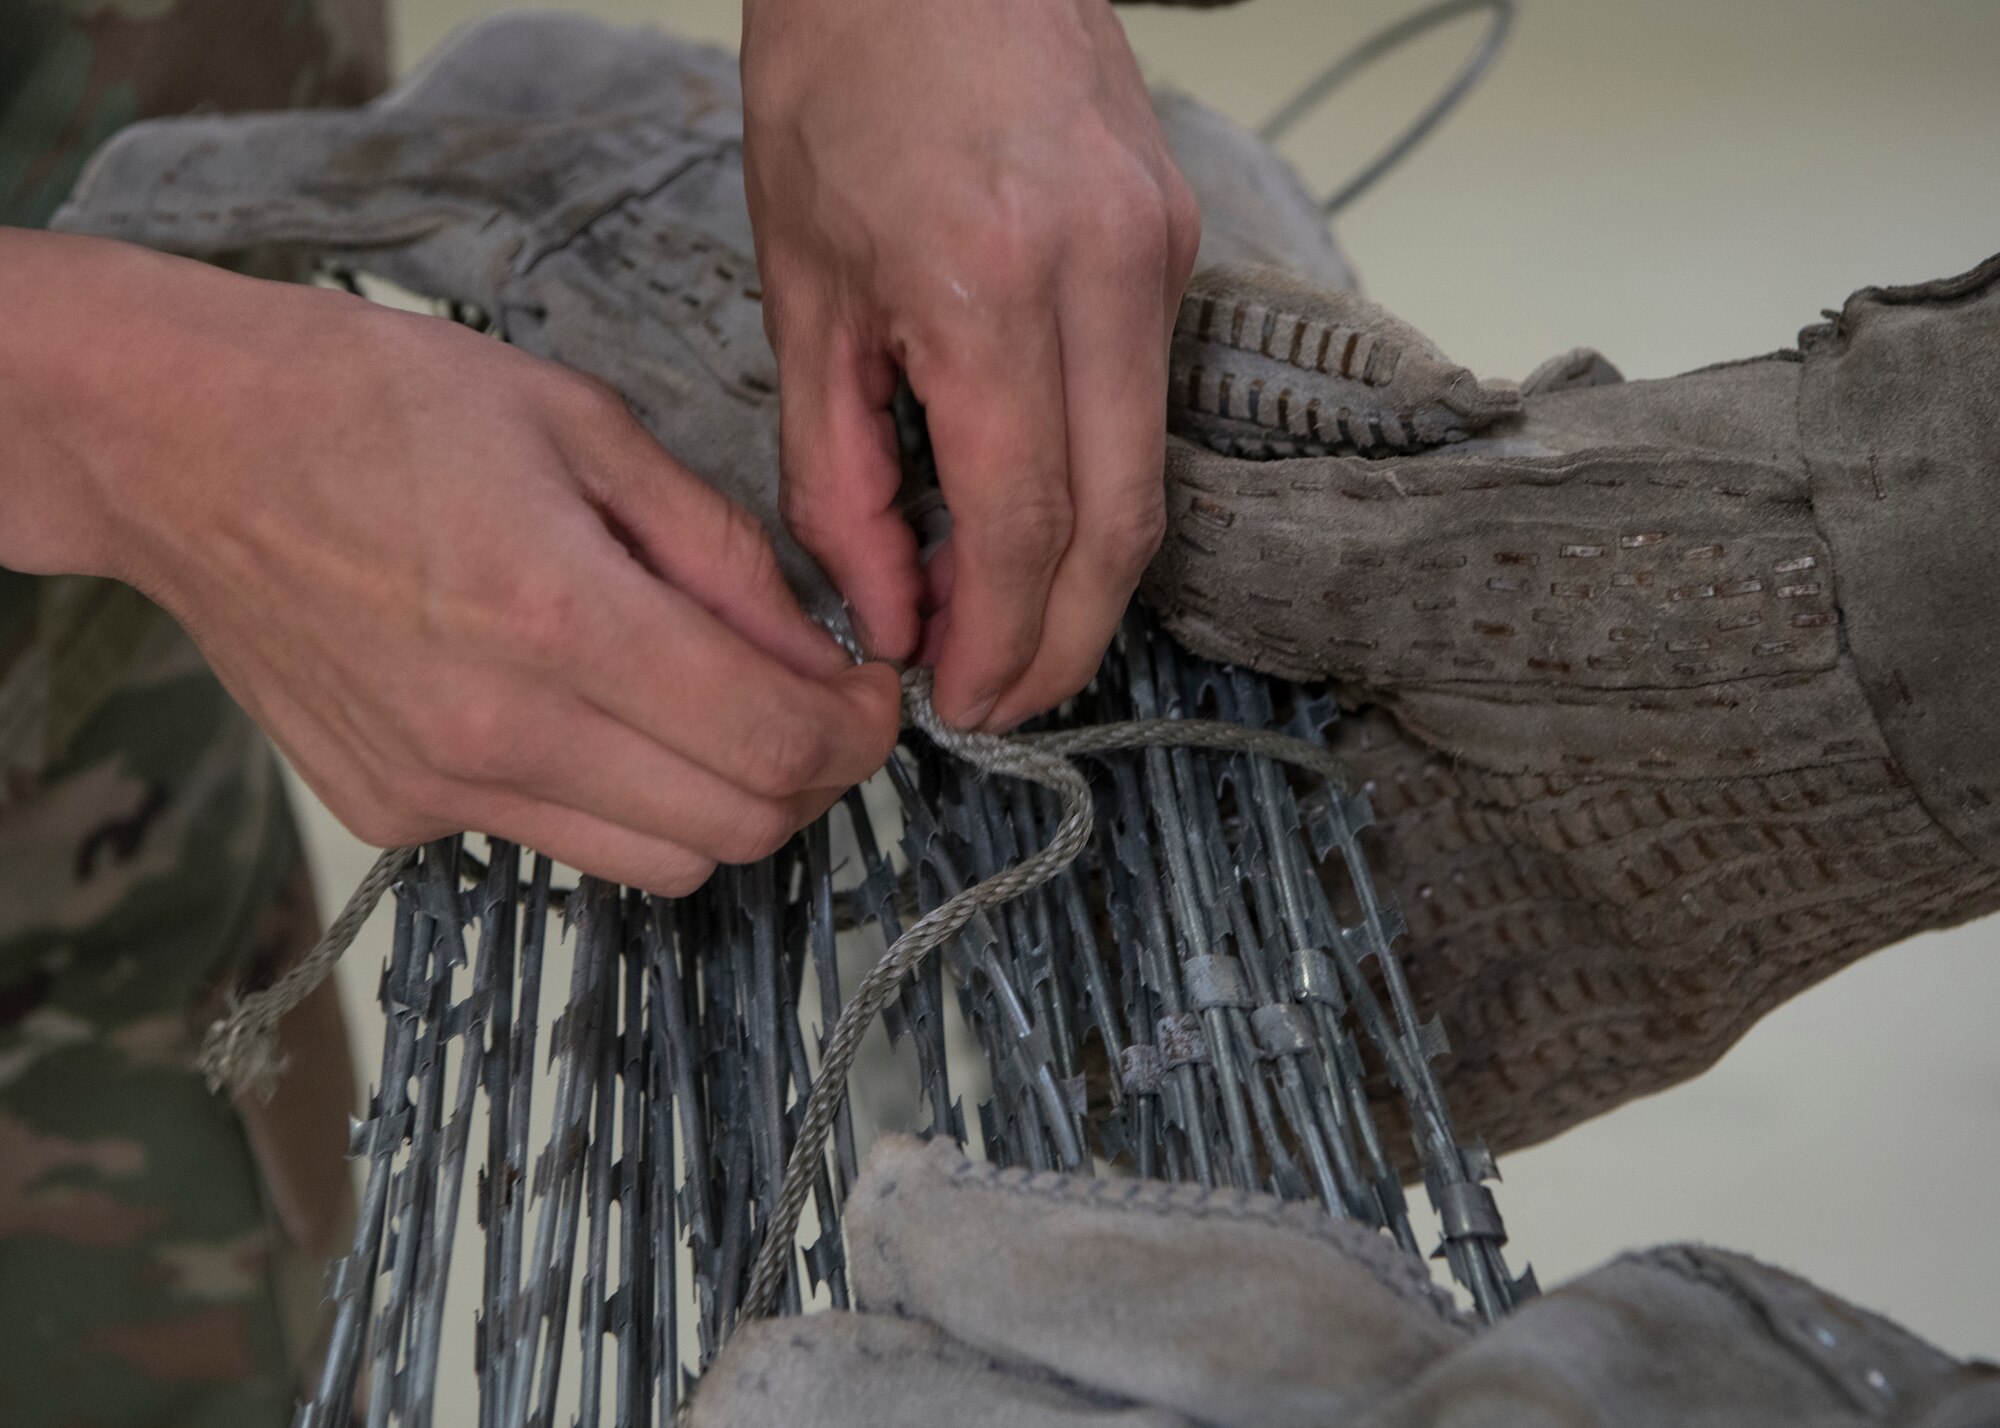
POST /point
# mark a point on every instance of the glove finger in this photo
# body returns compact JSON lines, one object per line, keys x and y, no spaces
{"x":1231,"y":1308}
{"x":1683,"y":1334}
{"x":838,"y":1370}
{"x":1265,"y":365}
{"x":1567,"y":371}
{"x":1509,"y":593}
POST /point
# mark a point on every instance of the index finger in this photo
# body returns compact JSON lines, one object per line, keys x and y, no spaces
{"x":840,"y":480}
{"x":653,"y":658}
{"x":1115,"y":371}
{"x":999,"y":432}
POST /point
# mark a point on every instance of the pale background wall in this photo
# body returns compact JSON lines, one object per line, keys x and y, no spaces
{"x":1675,"y":183}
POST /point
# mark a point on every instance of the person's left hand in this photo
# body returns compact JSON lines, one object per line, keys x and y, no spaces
{"x":976,"y":196}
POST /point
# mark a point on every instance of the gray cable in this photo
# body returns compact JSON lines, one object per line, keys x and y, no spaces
{"x":240,"y":1052}
{"x":1040,"y":758}
{"x":1412,"y":26}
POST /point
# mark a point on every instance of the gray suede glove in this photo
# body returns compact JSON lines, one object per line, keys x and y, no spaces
{"x":1674,"y":697}
{"x":1000,"y":1299}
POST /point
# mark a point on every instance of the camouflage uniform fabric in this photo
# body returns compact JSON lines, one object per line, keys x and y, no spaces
{"x":160,"y":1248}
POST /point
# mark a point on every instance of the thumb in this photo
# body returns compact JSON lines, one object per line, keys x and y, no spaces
{"x":709,"y":548}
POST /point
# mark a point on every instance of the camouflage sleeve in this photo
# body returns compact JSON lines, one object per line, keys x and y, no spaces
{"x":160,"y":1249}
{"x":73,"y":72}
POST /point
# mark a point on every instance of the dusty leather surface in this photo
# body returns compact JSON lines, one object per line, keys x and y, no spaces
{"x":1642,"y":758}
{"x":1901,"y":411}
{"x":1069,"y":1275}
{"x":1004,"y":1299}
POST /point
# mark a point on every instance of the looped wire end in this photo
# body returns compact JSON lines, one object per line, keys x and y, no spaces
{"x":240,"y":1052}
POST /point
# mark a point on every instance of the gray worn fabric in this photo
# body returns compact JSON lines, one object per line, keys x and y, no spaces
{"x":1002,"y":1299}
{"x":1667,"y":710}
{"x":1685,"y":1334}
{"x":1202,"y":1301}
{"x":1265,"y":364}
{"x":1900,"y":416}
{"x":835,"y":1370}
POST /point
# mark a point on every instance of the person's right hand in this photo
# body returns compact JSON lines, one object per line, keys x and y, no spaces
{"x":459,"y":586}
{"x":980,"y":197}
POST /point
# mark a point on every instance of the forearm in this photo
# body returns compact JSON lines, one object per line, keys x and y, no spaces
{"x":125,"y":375}
{"x":75,"y":354}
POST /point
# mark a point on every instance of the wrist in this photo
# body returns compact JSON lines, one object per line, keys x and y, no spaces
{"x":123,"y":374}
{"x":72,"y":371}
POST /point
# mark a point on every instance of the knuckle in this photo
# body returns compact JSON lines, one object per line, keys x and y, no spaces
{"x":1028,"y":535}
{"x":1183,"y":225}
{"x":1132,"y":538}
{"x":788,"y":752}
{"x":1144,"y":248}
{"x":745,"y":550}
{"x":812,"y":515}
{"x":1129,"y":208}
{"x":757,"y":830}
{"x":467,"y":739}
{"x":800,"y":505}
{"x":1013,"y":235}
{"x":542,"y":619}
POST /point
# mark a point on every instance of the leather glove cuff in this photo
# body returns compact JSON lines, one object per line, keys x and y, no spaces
{"x":1899,"y":415}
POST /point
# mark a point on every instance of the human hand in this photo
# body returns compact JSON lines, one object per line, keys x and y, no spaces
{"x":979,"y":197}
{"x":458,"y":585}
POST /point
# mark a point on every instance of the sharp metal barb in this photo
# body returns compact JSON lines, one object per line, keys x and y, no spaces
{"x":1183,"y":1002}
